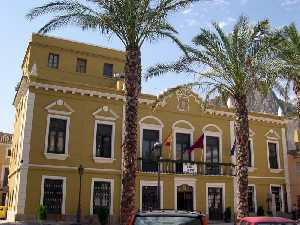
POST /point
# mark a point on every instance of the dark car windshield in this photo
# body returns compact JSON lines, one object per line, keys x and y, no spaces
{"x":167,"y":220}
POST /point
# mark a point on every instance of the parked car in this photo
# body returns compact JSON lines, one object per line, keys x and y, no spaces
{"x":266,"y":221}
{"x":168,"y":217}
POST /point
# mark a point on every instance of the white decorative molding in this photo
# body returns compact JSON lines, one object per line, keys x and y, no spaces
{"x":154,"y":118}
{"x":257,"y":177}
{"x":102,"y":159}
{"x":64,"y":179}
{"x":59,"y":102}
{"x":106,"y":109}
{"x":153,"y":184}
{"x":286,"y":169}
{"x":26,"y":150}
{"x":252,"y":154}
{"x":251,"y":132}
{"x":272,"y":134}
{"x":66,"y":150}
{"x":185,"y":122}
{"x":111,"y":181}
{"x":254,"y":196}
{"x":34,"y":71}
{"x":204,"y":129}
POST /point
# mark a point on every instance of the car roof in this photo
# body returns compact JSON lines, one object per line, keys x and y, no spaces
{"x":267,"y":219}
{"x":168,"y":212}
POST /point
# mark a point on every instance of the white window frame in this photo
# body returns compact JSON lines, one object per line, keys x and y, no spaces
{"x":278,"y":157}
{"x":64,"y":179}
{"x":182,"y":131}
{"x":281,"y":194}
{"x":111,"y":181}
{"x":146,"y":183}
{"x":54,"y":155}
{"x":103,"y":159}
{"x":254,"y":196}
{"x":147,"y":126}
{"x":188,"y":181}
{"x":215,"y":185}
{"x":2,"y":173}
{"x":252,"y":168}
{"x":213,"y":134}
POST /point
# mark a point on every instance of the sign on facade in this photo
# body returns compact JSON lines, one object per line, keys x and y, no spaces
{"x":189,"y":168}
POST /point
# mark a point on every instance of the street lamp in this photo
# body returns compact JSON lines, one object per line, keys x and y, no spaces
{"x":78,"y":216}
{"x":157,"y":153}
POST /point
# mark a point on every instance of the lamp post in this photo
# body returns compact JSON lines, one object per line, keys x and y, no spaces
{"x":157,"y":152}
{"x":78,"y":216}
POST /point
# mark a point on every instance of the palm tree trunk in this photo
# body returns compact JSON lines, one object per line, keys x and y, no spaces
{"x":297,"y":92}
{"x":242,"y":135}
{"x":132,"y":93}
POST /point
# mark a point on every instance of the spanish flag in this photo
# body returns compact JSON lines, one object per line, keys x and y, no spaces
{"x":168,"y":141}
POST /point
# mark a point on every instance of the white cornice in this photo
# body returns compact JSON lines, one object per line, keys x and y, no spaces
{"x":99,"y":94}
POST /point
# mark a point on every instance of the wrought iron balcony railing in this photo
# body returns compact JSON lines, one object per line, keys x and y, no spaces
{"x":185,"y":167}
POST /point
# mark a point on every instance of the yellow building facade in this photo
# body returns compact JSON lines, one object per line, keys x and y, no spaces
{"x":70,"y":112}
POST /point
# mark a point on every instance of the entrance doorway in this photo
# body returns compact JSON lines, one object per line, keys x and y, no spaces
{"x":215,"y":203}
{"x":185,"y":197}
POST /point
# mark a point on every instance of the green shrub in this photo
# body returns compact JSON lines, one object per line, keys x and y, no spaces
{"x":227,"y":215}
{"x":260,"y":211}
{"x":103,"y":214}
{"x":42,"y":212}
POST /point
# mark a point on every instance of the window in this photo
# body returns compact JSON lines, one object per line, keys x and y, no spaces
{"x":298,"y":168}
{"x":276,"y":191}
{"x":102,"y":195}
{"x":53,"y":60}
{"x":212,"y":155}
{"x":53,"y":195}
{"x":273,"y":158}
{"x":250,"y":153}
{"x":251,"y":199}
{"x":8,"y":153}
{"x":104,"y":139}
{"x":5,"y":177}
{"x":183,"y":141}
{"x":150,"y":137}
{"x":108,"y":70}
{"x":150,"y":201}
{"x":57,"y":135}
{"x":81,"y":65}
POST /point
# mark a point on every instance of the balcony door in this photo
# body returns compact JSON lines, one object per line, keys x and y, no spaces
{"x":212,"y":155}
{"x":183,"y":141}
{"x":149,"y":162}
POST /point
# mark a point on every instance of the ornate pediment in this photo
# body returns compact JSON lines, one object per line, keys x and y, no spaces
{"x":59,"y":107}
{"x":272,"y":134}
{"x":105,"y":113}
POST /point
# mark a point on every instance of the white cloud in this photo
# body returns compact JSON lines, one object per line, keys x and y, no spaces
{"x":228,"y":21}
{"x":288,"y":3}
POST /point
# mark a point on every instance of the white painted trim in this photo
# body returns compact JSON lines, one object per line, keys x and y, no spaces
{"x":204,"y":129}
{"x":271,"y":133}
{"x":152,"y":183}
{"x":277,"y":152}
{"x":53,"y":155}
{"x":102,"y":159}
{"x":105,"y":109}
{"x":254,"y":196}
{"x":286,"y":169}
{"x":251,"y":132}
{"x":183,"y":121}
{"x":213,"y":134}
{"x":189,"y":181}
{"x":257,"y":177}
{"x":26,"y":151}
{"x":111,"y":181}
{"x":281,"y":194}
{"x":252,"y":155}
{"x":59,"y":102}
{"x":216,"y":185}
{"x":64,"y":179}
{"x":2,"y":174}
{"x":151,"y":117}
{"x":144,"y":126}
{"x":176,"y":130}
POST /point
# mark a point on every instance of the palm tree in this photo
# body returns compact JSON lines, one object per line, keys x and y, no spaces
{"x":289,"y":50}
{"x":235,"y":65}
{"x":133,"y":22}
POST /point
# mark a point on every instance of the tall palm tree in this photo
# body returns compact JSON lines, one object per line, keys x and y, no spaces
{"x":133,"y":22}
{"x":235,"y":65}
{"x":289,"y":50}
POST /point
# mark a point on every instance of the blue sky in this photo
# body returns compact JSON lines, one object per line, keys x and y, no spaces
{"x":16,"y":32}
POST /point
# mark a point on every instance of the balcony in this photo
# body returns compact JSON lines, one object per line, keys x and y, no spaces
{"x":169,"y":166}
